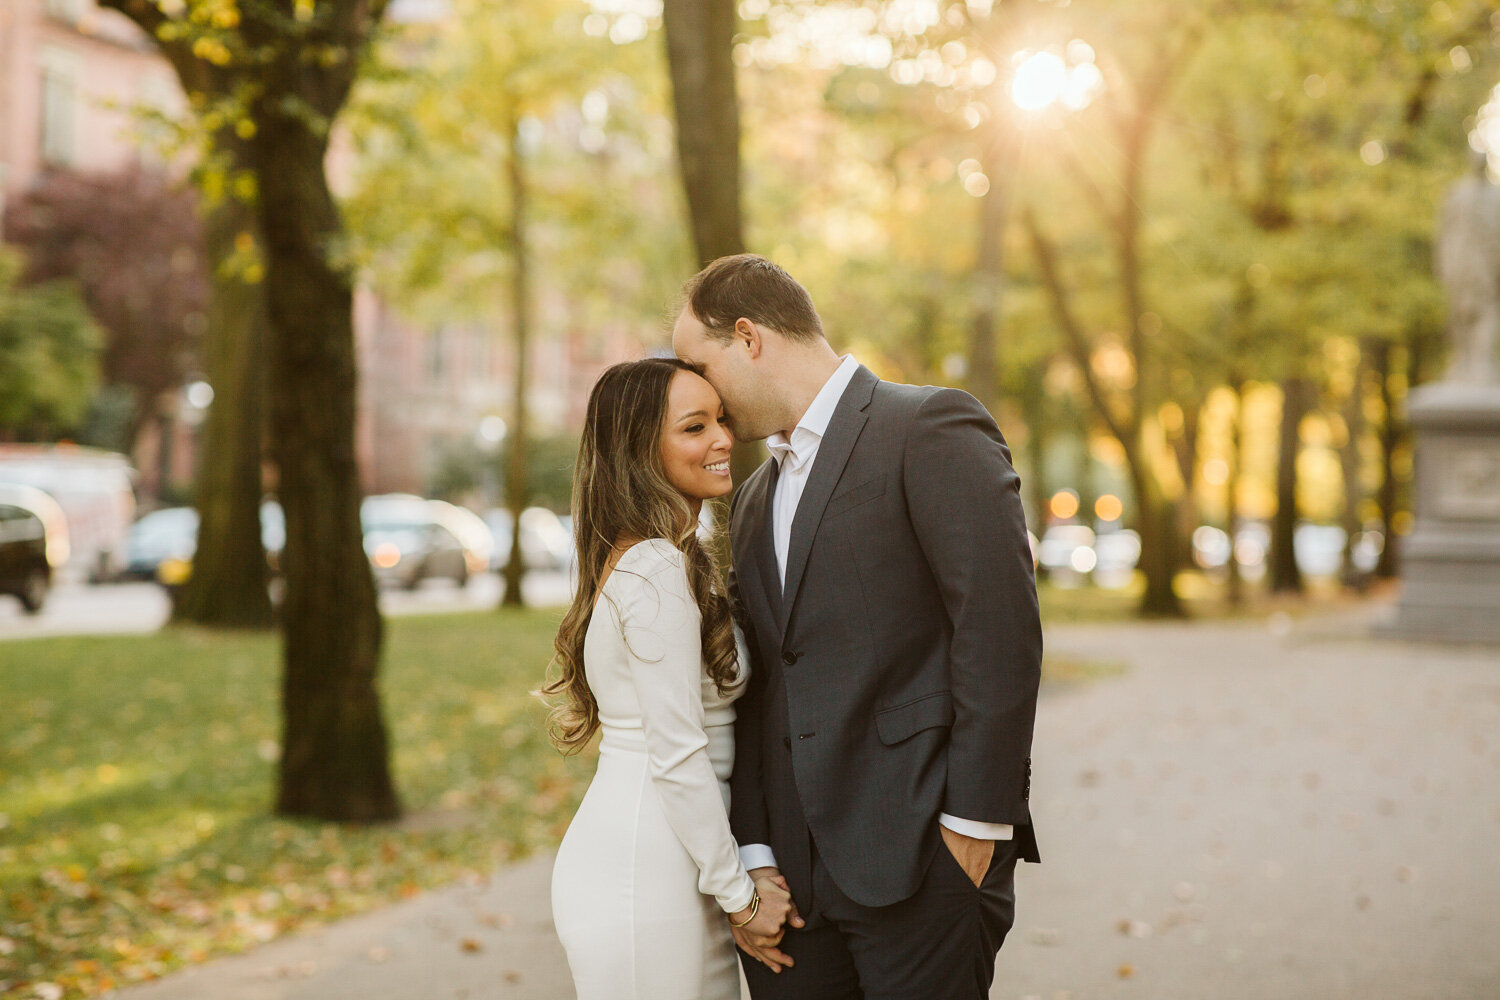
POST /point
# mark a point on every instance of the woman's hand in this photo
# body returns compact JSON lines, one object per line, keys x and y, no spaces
{"x":768,"y":924}
{"x":760,"y":936}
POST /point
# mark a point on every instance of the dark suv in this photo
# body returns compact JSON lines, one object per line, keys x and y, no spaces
{"x":24,"y":569}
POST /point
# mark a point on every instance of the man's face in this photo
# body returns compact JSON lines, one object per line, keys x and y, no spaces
{"x":727,"y":367}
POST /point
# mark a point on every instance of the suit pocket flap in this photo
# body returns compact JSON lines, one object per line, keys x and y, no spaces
{"x":864,"y":492}
{"x":905,"y":721}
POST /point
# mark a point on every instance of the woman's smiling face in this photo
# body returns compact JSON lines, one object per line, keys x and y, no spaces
{"x":695,"y":439}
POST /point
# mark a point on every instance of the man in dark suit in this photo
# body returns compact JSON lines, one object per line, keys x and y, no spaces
{"x":884,"y":581}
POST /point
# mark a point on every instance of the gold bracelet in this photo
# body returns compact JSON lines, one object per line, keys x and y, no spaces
{"x":754,"y":909}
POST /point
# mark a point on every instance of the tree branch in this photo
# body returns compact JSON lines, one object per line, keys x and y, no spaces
{"x":1090,"y":186}
{"x":1419,"y":100}
{"x":1077,"y":342}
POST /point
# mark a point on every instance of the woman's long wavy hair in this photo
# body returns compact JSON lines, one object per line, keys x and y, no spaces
{"x":621,"y":495}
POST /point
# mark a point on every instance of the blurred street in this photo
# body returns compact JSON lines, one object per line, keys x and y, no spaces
{"x":107,"y":609}
{"x":1244,"y":812}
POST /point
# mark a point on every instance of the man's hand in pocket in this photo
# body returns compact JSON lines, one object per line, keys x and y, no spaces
{"x":972,"y":855}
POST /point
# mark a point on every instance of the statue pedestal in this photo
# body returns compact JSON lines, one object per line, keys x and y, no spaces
{"x":1450,"y":563}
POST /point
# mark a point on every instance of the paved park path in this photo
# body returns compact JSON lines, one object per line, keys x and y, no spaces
{"x":1244,"y":811}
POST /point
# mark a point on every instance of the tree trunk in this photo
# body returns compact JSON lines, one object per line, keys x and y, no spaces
{"x":1185,"y":510}
{"x":1158,"y":548}
{"x":1285,"y":574}
{"x":700,"y":57}
{"x":334,"y":762}
{"x":228,"y":585}
{"x":166,"y":433}
{"x":1349,"y":466}
{"x":1157,"y":556}
{"x":1154,"y":526}
{"x":1035,"y":481}
{"x":1036,"y":487}
{"x":1387,"y":567}
{"x":1236,"y":582}
{"x":517,"y":484}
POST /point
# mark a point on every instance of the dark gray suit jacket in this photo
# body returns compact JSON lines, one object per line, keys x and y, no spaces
{"x":896,"y":677}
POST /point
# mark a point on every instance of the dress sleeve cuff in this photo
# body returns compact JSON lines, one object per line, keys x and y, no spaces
{"x":743,"y":897}
{"x":969,"y":828}
{"x":754,"y":856}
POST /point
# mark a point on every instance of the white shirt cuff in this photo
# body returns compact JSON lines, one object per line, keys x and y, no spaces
{"x":754,"y":856}
{"x":967,"y":827}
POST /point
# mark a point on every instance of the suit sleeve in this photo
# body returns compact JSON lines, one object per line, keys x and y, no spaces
{"x":661,"y":624}
{"x":747,"y":810}
{"x":964,"y":501}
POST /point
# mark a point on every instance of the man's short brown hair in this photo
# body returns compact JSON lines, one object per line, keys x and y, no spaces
{"x":749,"y":286}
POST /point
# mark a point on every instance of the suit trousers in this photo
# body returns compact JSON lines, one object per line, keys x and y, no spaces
{"x":938,"y":944}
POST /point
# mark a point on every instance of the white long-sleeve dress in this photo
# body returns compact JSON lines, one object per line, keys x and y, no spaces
{"x":648,"y":867}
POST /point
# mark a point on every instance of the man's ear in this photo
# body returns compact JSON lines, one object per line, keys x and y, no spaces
{"x":748,"y":337}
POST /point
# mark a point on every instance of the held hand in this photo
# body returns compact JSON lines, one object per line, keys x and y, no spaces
{"x":774,"y":881}
{"x":771,"y":957}
{"x":972,"y":855}
{"x":763,"y":923}
{"x":758,"y":941}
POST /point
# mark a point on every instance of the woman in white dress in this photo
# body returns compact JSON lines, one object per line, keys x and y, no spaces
{"x":648,"y":871}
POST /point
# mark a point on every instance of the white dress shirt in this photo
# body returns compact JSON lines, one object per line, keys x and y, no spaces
{"x":794,"y":457}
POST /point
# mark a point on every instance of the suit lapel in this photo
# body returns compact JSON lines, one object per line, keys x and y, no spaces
{"x":762,"y":544}
{"x":754,"y":552}
{"x":849,"y":419}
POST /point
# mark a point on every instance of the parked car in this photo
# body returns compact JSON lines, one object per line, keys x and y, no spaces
{"x":1116,"y":555}
{"x":409,"y":539}
{"x":169,"y":533}
{"x":95,"y":490}
{"x":1066,"y":553}
{"x":33,"y":544}
{"x":546,"y":543}
{"x":174,"y":567}
{"x":1318,"y":549}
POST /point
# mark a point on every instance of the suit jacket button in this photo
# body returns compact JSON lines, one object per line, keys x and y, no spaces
{"x":789,"y":658}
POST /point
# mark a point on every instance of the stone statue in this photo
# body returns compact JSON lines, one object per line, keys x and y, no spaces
{"x":1468,"y":265}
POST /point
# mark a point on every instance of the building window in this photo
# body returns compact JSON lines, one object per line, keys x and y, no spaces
{"x":59,"y":104}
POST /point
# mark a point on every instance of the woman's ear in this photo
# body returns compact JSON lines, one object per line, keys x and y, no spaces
{"x":747,"y":336}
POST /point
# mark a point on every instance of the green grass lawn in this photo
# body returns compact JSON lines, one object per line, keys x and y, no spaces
{"x":136,"y":781}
